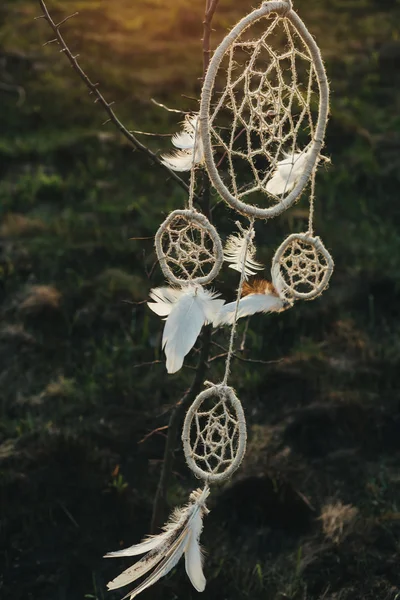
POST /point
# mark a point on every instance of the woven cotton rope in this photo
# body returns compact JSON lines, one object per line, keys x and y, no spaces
{"x":264,"y":111}
{"x":214,"y":434}
{"x":188,"y":248}
{"x":305,"y":266}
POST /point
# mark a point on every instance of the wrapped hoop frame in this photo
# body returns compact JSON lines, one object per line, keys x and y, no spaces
{"x":201,"y":223}
{"x":284,"y":10}
{"x":321,"y":272}
{"x":226,"y":397}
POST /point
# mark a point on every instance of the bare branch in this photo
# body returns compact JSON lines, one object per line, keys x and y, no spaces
{"x":151,"y":433}
{"x":100,"y":98}
{"x":178,"y":412}
{"x":148,"y":364}
{"x":247,"y":360}
{"x":211,"y":7}
{"x":174,"y":110}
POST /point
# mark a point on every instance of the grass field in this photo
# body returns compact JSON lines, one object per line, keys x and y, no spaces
{"x":314,"y":513}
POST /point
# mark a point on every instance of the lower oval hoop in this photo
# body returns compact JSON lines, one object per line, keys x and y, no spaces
{"x":226,"y":396}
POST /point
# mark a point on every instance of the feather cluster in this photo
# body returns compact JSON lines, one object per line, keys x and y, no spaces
{"x":257,"y":296}
{"x":240,"y":252}
{"x":186,"y":310}
{"x":288,"y":172}
{"x":190,"y":147}
{"x":180,"y":536}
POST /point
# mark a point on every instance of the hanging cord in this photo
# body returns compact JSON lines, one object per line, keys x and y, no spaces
{"x":249,"y":237}
{"x":193,"y":169}
{"x":312,"y":200}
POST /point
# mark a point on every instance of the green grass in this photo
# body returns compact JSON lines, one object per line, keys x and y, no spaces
{"x":76,"y":396}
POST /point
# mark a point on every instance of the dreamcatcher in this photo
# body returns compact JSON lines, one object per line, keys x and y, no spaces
{"x":259,"y":133}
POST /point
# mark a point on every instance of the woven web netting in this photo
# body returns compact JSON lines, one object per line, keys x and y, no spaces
{"x":268,"y":108}
{"x":214,"y":434}
{"x":305,"y":266}
{"x":188,"y":247}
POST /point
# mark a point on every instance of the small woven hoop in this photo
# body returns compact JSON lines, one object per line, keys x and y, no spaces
{"x":284,"y":9}
{"x":191,"y":255}
{"x":313,"y":272}
{"x":223,"y":434}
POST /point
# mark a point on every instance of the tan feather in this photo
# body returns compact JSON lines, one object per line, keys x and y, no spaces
{"x":259,"y":286}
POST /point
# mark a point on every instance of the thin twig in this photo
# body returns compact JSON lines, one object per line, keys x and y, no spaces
{"x":93,"y":87}
{"x":174,"y":110}
{"x":247,"y":360}
{"x":211,"y":7}
{"x":69,"y":515}
{"x":242,"y":346}
{"x":148,"y":364}
{"x":151,"y":433}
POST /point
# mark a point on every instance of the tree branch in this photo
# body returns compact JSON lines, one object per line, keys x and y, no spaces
{"x":211,"y":7}
{"x":160,"y":500}
{"x":93,"y":88}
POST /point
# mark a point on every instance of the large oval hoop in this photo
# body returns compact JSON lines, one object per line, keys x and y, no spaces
{"x":284,"y":10}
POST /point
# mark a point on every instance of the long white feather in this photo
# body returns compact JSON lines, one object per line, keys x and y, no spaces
{"x":249,"y":305}
{"x":181,"y":535}
{"x":193,"y":556}
{"x":190,"y":146}
{"x":166,"y":565}
{"x":240,"y":253}
{"x":182,"y":329}
{"x":146,"y":545}
{"x":186,"y":311}
{"x":287,"y":173}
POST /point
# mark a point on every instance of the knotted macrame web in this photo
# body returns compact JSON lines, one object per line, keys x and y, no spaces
{"x":214,"y":434}
{"x":188,"y":247}
{"x":268,"y":107}
{"x":305,"y":266}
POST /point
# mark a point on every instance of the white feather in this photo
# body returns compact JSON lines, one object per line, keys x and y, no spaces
{"x":182,"y":329}
{"x":166,"y":565}
{"x":190,"y":146}
{"x":240,"y":253}
{"x":181,"y":535}
{"x":150,"y":543}
{"x":249,"y":305}
{"x":288,"y":172}
{"x":187,"y":310}
{"x":278,"y":281}
{"x":193,"y":557}
{"x":164,"y":300}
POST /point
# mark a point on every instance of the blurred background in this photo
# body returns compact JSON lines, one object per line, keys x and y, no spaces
{"x":314,"y":513}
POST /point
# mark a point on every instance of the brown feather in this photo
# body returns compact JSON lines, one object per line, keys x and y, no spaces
{"x":258,"y":286}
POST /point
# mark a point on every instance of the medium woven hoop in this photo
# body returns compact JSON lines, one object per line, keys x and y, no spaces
{"x":189,"y":255}
{"x":215,"y":436}
{"x":283,"y":9}
{"x":309,"y":267}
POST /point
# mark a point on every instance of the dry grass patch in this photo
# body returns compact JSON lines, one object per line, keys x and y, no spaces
{"x":40,"y":299}
{"x":338,"y":520}
{"x":17,"y":225}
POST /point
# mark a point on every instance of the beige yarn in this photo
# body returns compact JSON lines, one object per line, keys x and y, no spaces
{"x":266,"y":109}
{"x":188,"y":248}
{"x":214,"y":434}
{"x":305,"y":266}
